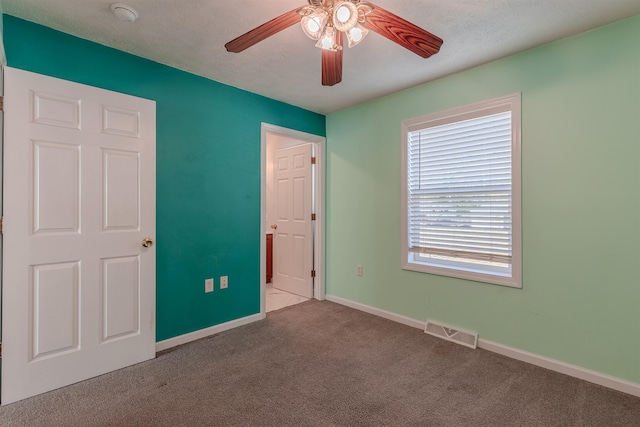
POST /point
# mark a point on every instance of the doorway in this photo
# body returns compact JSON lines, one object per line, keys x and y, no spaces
{"x":296,"y":236}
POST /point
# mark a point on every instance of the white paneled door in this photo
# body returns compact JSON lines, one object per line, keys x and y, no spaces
{"x":79,"y":199}
{"x":293,"y":242}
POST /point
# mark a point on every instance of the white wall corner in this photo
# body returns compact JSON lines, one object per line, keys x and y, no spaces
{"x":3,"y":57}
{"x":514,"y":353}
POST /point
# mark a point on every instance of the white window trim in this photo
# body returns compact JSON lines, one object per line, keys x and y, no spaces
{"x":513,"y":103}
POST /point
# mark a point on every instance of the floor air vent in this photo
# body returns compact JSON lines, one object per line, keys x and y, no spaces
{"x":468,"y":339}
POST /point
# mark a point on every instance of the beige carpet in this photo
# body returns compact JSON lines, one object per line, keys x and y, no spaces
{"x":322,"y":364}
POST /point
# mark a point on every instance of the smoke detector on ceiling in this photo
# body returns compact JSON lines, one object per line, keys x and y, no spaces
{"x":124,"y":13}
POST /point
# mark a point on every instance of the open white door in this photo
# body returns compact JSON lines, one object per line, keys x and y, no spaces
{"x":293,"y":233}
{"x":78,"y":285}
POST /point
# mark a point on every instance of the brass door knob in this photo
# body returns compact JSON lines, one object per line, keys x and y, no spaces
{"x":274,"y":226}
{"x":147,"y":243}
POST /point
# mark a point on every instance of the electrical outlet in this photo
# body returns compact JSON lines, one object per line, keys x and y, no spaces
{"x":358,"y":270}
{"x":208,"y":285}
{"x":224,"y":282}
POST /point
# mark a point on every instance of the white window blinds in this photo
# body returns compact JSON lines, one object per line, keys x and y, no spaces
{"x":459,"y":189}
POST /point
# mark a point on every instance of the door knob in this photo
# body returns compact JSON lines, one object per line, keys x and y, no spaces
{"x":147,"y":243}
{"x":274,"y":226}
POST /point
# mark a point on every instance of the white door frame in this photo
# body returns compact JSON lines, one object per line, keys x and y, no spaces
{"x":319,"y":202}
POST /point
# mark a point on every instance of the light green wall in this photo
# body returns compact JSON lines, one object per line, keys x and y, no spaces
{"x":580,"y":301}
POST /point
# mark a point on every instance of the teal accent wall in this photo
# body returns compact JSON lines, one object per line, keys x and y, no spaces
{"x":580,"y":301}
{"x":208,"y":169}
{"x":3,"y":58}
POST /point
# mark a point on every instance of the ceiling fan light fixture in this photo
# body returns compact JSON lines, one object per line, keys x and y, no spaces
{"x":313,"y":24}
{"x":345,"y":16}
{"x":336,"y":19}
{"x":328,"y":39}
{"x":356,"y":35}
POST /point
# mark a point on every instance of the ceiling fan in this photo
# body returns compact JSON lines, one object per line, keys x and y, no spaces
{"x":331,"y":21}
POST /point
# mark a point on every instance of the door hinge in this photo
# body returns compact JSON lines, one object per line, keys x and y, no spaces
{"x":313,"y":273}
{"x":313,"y":217}
{"x":1,"y":221}
{"x":1,"y":103}
{"x":313,"y":160}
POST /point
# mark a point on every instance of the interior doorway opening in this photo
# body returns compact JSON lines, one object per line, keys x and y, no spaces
{"x":292,"y":217}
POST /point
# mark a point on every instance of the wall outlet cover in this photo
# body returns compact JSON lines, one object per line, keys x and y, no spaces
{"x":208,"y":285}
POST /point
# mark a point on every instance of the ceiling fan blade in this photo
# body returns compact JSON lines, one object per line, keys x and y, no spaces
{"x":403,"y":32}
{"x":265,"y":30}
{"x":332,"y":64}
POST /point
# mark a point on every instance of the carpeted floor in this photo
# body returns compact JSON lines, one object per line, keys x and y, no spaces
{"x":322,"y":364}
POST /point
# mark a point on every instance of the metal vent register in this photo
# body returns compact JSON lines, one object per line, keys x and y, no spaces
{"x":468,"y":339}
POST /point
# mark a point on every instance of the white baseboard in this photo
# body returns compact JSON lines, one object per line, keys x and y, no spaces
{"x":514,"y":353}
{"x":378,"y":312}
{"x":203,"y":333}
{"x":562,"y":367}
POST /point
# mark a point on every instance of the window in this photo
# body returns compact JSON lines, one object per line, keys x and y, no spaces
{"x":461,"y":192}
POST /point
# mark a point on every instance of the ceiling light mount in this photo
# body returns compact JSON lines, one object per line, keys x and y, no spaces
{"x":124,"y":12}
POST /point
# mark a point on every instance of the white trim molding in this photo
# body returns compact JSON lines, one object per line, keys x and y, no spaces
{"x":377,"y":312}
{"x":562,"y":367}
{"x":203,"y":333}
{"x":319,"y":143}
{"x":535,"y":359}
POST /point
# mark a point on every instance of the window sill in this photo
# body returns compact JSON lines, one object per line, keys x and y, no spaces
{"x":465,"y":273}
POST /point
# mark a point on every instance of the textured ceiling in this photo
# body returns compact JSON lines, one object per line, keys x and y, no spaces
{"x":190,"y":35}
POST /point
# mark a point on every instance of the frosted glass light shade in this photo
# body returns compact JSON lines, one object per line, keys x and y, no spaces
{"x":313,"y":24}
{"x":328,"y":39}
{"x":345,"y":16}
{"x":356,"y":35}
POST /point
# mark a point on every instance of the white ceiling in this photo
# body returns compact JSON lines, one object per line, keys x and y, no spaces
{"x":190,"y":35}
